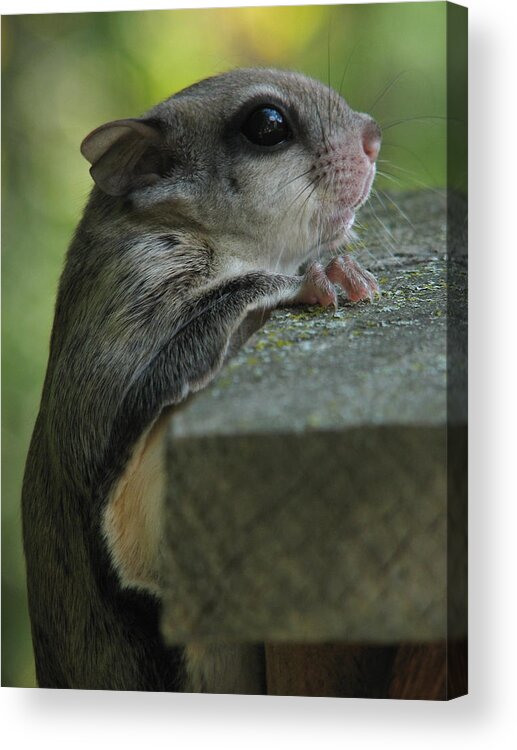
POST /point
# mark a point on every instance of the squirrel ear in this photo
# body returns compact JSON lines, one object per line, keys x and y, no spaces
{"x":125,"y":154}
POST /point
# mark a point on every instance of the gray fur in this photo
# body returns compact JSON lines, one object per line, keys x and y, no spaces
{"x":188,"y":232}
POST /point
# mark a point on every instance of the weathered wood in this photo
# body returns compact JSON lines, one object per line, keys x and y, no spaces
{"x":411,"y":671}
{"x":309,"y":499}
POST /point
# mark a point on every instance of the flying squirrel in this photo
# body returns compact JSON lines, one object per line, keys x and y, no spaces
{"x":202,"y":213}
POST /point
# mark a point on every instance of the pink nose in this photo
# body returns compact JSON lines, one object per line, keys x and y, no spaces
{"x":371,"y":140}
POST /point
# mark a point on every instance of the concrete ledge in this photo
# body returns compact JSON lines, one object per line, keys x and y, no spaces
{"x":308,"y":484}
{"x":327,"y":536}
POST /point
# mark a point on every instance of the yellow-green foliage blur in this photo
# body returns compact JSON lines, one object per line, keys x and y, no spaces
{"x":63,"y":75}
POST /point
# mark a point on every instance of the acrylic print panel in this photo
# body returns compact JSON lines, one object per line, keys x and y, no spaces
{"x":287,"y":241}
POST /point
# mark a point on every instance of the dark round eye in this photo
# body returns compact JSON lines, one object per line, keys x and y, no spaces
{"x":266,"y":126}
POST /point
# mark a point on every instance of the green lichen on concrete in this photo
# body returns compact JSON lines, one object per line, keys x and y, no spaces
{"x":375,"y":362}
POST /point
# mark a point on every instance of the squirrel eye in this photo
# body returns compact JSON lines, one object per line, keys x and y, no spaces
{"x":266,"y":126}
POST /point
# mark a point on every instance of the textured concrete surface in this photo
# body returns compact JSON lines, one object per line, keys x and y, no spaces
{"x":308,"y":483}
{"x":380,"y":363}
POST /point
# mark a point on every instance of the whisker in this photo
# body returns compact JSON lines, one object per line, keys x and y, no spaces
{"x":306,"y":200}
{"x":285,"y":214}
{"x":323,"y":133}
{"x":413,"y":154}
{"x":362,"y":247}
{"x":389,"y":234}
{"x":408,"y":176}
{"x":289,"y":182}
{"x":319,"y":230}
{"x":299,"y":211}
{"x":347,"y":64}
{"x":385,"y":90}
{"x":400,"y":211}
{"x":383,"y":225}
{"x":376,"y":194}
{"x":389,"y":177}
{"x":299,"y":195}
{"x":319,"y":215}
{"x":328,"y":77}
{"x":393,"y":123}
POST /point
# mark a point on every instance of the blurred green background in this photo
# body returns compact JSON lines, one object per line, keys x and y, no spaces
{"x":65,"y":74}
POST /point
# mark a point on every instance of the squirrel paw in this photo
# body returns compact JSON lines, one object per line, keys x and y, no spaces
{"x":317,"y":288}
{"x":357,"y":282}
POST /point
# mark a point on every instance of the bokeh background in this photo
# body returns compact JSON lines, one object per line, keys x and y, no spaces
{"x":65,"y":74}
